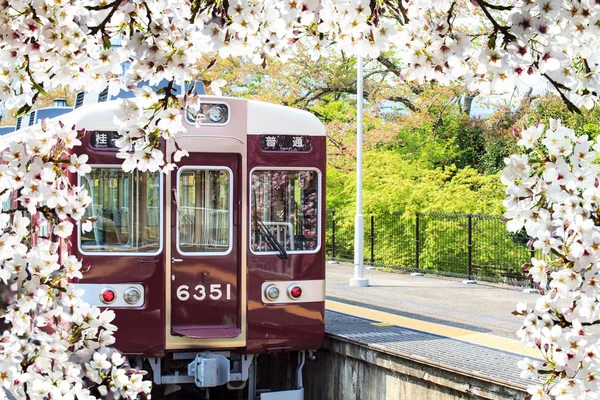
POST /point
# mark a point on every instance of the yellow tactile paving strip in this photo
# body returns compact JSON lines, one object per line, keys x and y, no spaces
{"x":386,"y":319}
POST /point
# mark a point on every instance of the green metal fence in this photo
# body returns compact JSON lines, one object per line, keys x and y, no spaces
{"x":460,"y":245}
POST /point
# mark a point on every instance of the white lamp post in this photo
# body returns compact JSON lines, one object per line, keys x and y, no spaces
{"x":359,"y":220}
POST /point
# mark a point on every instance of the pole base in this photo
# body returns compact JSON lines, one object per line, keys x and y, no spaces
{"x":531,"y":291}
{"x":359,"y":282}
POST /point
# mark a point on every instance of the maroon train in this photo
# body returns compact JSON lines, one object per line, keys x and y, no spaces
{"x":219,"y":261}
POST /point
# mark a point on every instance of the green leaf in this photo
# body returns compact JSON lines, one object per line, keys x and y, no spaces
{"x":23,"y":110}
{"x":38,"y":88}
{"x":59,"y":288}
{"x":106,"y":41}
{"x":492,"y":42}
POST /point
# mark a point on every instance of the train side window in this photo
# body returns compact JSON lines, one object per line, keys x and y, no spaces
{"x":204,"y":210}
{"x":285,"y":210}
{"x":128,"y":211}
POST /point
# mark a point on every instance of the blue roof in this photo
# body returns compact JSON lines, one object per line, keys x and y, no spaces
{"x":51,"y":112}
{"x":125,"y":94}
{"x":6,"y":129}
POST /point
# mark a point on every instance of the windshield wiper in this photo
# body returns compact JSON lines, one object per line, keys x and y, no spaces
{"x":269,"y":238}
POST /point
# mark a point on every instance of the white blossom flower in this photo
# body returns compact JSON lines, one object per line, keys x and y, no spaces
{"x":529,"y":368}
{"x":530,"y":136}
{"x":56,"y":43}
{"x":78,"y":164}
{"x":63,"y":229}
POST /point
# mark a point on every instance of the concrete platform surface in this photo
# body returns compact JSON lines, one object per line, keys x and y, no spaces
{"x":483,"y":307}
{"x":435,"y":320}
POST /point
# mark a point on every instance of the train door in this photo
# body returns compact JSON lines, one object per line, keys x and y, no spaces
{"x":205,"y":247}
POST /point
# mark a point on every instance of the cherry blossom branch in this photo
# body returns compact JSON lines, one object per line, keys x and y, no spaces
{"x":494,"y":6}
{"x":114,"y":6}
{"x":504,"y":29}
{"x":393,"y":68}
{"x":560,"y":88}
{"x":450,"y":14}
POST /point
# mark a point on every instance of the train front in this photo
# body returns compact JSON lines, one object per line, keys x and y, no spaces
{"x":221,"y":261}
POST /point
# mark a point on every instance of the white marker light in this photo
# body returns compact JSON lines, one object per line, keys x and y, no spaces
{"x":132,"y":295}
{"x":272,"y":292}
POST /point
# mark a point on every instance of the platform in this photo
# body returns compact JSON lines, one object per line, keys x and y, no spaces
{"x":434,"y":322}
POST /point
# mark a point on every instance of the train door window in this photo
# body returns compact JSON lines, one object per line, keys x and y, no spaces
{"x":204,"y":206}
{"x":6,"y":204}
{"x":127,"y":208}
{"x":285,"y":210}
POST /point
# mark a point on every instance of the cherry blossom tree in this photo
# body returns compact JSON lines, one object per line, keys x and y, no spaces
{"x":58,"y":346}
{"x":485,"y":45}
{"x":553,"y":192}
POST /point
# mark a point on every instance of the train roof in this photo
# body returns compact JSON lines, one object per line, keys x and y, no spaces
{"x":266,"y":118}
{"x":262,"y":118}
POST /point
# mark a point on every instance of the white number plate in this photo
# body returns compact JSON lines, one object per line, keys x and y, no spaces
{"x":214,"y":291}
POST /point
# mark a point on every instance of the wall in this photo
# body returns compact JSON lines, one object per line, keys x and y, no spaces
{"x":347,"y":371}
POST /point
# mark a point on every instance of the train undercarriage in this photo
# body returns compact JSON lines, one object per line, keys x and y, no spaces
{"x":226,"y":375}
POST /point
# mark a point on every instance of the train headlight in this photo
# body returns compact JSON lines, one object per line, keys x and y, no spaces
{"x":272,"y":292}
{"x":294,"y":292}
{"x":108,"y":296}
{"x":209,"y":114}
{"x":132,"y":295}
{"x":216,"y":114}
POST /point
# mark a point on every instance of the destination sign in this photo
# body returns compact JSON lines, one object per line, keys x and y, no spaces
{"x":104,"y":139}
{"x":289,"y":143}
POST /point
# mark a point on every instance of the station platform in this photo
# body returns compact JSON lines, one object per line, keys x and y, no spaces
{"x":462,"y":329}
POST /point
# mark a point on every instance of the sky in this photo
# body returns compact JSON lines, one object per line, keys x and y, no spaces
{"x":484,"y":106}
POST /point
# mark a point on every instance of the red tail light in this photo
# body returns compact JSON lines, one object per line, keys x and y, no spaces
{"x":295,"y":292}
{"x":107,"y":296}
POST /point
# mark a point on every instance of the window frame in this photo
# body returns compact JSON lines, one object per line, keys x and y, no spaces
{"x":319,"y":208}
{"x":229,"y":218}
{"x":161,"y":219}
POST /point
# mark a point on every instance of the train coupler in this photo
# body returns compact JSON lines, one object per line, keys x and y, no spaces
{"x":207,"y":369}
{"x":214,"y":369}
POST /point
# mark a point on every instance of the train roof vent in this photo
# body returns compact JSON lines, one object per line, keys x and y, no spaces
{"x":103,"y":96}
{"x":79,"y":99}
{"x":31,"y":118}
{"x":19,"y":120}
{"x":60,"y":102}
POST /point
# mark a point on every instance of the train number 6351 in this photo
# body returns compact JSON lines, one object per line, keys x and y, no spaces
{"x":214,"y":292}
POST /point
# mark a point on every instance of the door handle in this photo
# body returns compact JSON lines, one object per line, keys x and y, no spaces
{"x":174,"y":199}
{"x":176,"y":260}
{"x":175,"y":209}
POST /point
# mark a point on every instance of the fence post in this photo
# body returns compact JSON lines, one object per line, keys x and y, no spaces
{"x":333,"y":234}
{"x":531,"y":255}
{"x":417,"y":243}
{"x":470,"y":244}
{"x":531,"y":252}
{"x":372,"y":239}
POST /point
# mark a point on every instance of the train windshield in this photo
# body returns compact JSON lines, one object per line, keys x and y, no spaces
{"x":127,"y":210}
{"x":285,"y":204}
